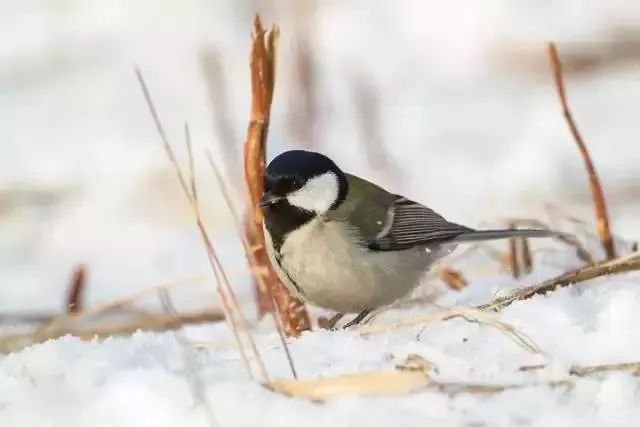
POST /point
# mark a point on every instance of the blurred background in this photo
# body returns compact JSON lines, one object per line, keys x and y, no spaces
{"x":450,"y":103}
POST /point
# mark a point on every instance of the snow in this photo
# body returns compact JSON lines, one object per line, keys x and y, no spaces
{"x":476,"y":133}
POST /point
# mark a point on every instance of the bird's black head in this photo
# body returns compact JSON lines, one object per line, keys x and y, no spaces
{"x":298,"y":186}
{"x":305,"y":180}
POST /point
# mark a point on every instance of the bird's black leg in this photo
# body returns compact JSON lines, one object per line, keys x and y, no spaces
{"x":359,"y":318}
{"x":331,"y":323}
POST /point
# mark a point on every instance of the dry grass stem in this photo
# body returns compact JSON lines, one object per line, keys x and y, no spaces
{"x":580,"y":371}
{"x":408,"y":378}
{"x":62,"y":321}
{"x":624,"y":264}
{"x":597,"y":194}
{"x":293,"y":315}
{"x":412,"y":377}
{"x":251,"y":255}
{"x":150,"y":322}
{"x":469,"y":314}
{"x":371,"y":384}
{"x":223,"y":287}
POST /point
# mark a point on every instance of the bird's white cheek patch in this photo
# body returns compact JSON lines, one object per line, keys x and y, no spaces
{"x":317,"y":195}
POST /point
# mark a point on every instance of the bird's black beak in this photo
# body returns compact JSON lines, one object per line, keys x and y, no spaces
{"x":268,"y":199}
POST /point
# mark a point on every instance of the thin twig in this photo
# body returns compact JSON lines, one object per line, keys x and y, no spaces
{"x":624,"y":264}
{"x":192,"y":176}
{"x":153,"y":322}
{"x":582,"y":371}
{"x":234,"y":301}
{"x":211,"y":254}
{"x":468,"y":314}
{"x":258,"y":275}
{"x":63,"y":321}
{"x":597,"y":194}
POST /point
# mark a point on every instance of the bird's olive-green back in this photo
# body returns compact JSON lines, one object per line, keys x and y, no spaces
{"x":365,"y":208}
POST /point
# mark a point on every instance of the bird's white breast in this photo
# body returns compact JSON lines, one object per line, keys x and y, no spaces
{"x":323,"y":264}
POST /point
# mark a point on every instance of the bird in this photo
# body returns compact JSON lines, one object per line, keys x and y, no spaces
{"x":345,"y":244}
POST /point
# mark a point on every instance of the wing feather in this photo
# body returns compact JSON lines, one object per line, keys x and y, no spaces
{"x":411,"y":224}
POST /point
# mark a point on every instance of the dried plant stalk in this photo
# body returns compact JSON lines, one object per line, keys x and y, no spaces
{"x":403,"y":381}
{"x":150,"y":322}
{"x":624,"y":264}
{"x":371,"y":384}
{"x":406,"y":379}
{"x":223,"y":287}
{"x":76,"y":290}
{"x":293,"y":315}
{"x":581,"y":371}
{"x":597,"y":194}
{"x":468,"y":314}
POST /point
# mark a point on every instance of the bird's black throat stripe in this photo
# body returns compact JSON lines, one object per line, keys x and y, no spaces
{"x":281,"y":219}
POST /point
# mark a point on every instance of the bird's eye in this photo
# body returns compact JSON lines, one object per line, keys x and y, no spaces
{"x":297,"y":183}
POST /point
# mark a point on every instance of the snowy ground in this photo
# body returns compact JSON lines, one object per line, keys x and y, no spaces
{"x":470,"y":120}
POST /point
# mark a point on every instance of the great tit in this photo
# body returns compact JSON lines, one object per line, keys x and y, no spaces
{"x":345,"y":244}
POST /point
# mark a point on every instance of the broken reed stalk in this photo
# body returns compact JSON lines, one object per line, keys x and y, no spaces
{"x":624,"y":264}
{"x":223,"y":288}
{"x":262,"y":68}
{"x":149,"y":322}
{"x":75,"y":294}
{"x":291,"y":310}
{"x":597,"y":194}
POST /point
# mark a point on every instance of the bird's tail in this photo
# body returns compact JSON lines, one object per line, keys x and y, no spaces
{"x":479,"y":235}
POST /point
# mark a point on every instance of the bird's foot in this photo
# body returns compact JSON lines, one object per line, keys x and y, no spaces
{"x":356,"y":320}
{"x":330,"y":323}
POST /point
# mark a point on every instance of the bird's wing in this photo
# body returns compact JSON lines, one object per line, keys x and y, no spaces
{"x":388,"y":222}
{"x":411,"y":224}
